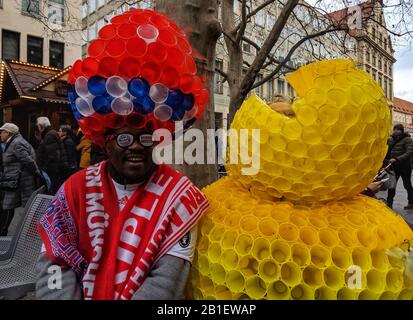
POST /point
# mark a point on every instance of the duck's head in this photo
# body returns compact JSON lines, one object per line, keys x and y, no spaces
{"x":330,"y":145}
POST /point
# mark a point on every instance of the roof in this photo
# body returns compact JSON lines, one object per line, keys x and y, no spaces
{"x":340,"y":17}
{"x":28,"y":79}
{"x":403,"y":106}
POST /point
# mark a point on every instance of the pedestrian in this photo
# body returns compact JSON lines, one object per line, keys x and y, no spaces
{"x":66,"y":135}
{"x":19,"y":173}
{"x":84,"y":147}
{"x":51,"y":155}
{"x":399,"y":155}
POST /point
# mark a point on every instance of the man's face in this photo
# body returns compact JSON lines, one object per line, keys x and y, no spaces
{"x":4,"y":135}
{"x":397,"y":132}
{"x":131,"y":164}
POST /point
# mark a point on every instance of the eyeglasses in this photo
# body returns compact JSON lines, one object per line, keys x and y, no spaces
{"x":125,"y":140}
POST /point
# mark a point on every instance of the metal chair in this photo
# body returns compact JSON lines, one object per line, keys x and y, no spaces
{"x":17,"y":266}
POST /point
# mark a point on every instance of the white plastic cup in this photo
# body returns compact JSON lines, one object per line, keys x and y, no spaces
{"x":122,"y":106}
{"x":158,"y":93}
{"x":148,"y":33}
{"x":163,"y":112}
{"x":116,"y":86}
{"x":81,"y":87}
{"x":84,"y":106}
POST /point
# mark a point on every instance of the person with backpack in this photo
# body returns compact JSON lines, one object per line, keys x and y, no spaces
{"x":399,"y":155}
{"x":51,"y":155}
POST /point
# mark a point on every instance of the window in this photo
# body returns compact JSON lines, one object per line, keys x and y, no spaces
{"x":368,"y":56}
{"x":385,"y":87}
{"x":56,"y":11}
{"x":368,"y":69}
{"x":10,"y":44}
{"x":270,"y":90}
{"x":84,"y":10}
{"x":92,"y":32}
{"x":290,"y":90}
{"x":280,"y":86}
{"x":374,"y":75}
{"x":380,"y":64}
{"x":246,"y":47}
{"x":258,"y":90}
{"x":218,"y":83}
{"x":270,"y":21}
{"x":380,"y":81}
{"x":390,"y":69}
{"x":101,"y":3}
{"x":56,"y":54}
{"x":260,"y":18}
{"x":385,"y":44}
{"x":31,"y":7}
{"x":92,"y":6}
{"x":34,"y":50}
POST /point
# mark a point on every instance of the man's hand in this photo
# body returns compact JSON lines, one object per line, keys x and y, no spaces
{"x":392,"y":160}
{"x":375,"y":186}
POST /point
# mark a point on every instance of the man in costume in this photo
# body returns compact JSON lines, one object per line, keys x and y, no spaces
{"x":124,"y":228}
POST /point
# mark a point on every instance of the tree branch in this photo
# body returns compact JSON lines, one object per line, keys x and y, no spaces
{"x":254,"y":12}
{"x":243,"y":23}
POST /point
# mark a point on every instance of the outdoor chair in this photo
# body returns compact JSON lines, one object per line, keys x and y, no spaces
{"x":17,"y":265}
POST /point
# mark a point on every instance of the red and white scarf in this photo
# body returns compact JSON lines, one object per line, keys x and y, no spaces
{"x":112,"y":252}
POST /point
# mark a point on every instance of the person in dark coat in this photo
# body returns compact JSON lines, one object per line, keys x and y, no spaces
{"x":66,"y":135}
{"x":51,"y":155}
{"x":18,"y":175}
{"x":399,"y":154}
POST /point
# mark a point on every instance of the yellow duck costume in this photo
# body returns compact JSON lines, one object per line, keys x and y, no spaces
{"x":299,"y":228}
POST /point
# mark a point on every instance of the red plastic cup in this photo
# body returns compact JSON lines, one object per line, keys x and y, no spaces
{"x":77,"y":69}
{"x":90,"y":67}
{"x":127,"y":30}
{"x":175,"y":58}
{"x":159,"y":20}
{"x":140,"y":18}
{"x":176,"y":29}
{"x":196,"y":85}
{"x":129,"y":67}
{"x":122,"y":18}
{"x":170,"y":77}
{"x":108,"y":67}
{"x":115,"y":47}
{"x":136,"y":47}
{"x":185,"y":83}
{"x":108,"y":32}
{"x":96,"y":48}
{"x":190,"y":64}
{"x":157,"y":52}
{"x":151,"y":72}
{"x":168,"y":37}
{"x":184,"y":45}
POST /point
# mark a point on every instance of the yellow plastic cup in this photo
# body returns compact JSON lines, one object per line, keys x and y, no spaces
{"x":235,"y":281}
{"x":222,"y":293}
{"x":320,"y":256}
{"x":228,"y":239}
{"x":261,"y":248}
{"x":278,"y":290}
{"x":268,"y":227}
{"x":214,"y":252}
{"x":300,"y":254}
{"x":255,"y":287}
{"x":229,"y":259}
{"x":248,"y":266}
{"x":406,"y":294}
{"x":361,"y":257}
{"x":243,"y":244}
{"x":268,"y":270}
{"x":216,"y":233}
{"x":288,"y":232}
{"x":291,"y":273}
{"x":313,"y":276}
{"x":347,"y":294}
{"x":328,"y":237}
{"x":202,"y":264}
{"x":376,"y":280}
{"x":334,"y":277}
{"x":218,"y":274}
{"x":302,"y":292}
{"x":348,"y":237}
{"x":388,"y":295}
{"x":379,"y":260}
{"x":309,"y":236}
{"x":203,"y":245}
{"x":207,"y":226}
{"x":249,"y":224}
{"x":325,"y":293}
{"x":368,"y":294}
{"x":367,"y":238}
{"x":341,"y":257}
{"x":280,"y":251}
{"x":394,"y":280}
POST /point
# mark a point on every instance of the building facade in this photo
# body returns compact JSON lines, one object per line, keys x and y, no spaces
{"x":403,"y":113}
{"x":41,"y":32}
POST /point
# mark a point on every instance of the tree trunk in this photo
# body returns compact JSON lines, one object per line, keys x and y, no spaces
{"x":199,"y":19}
